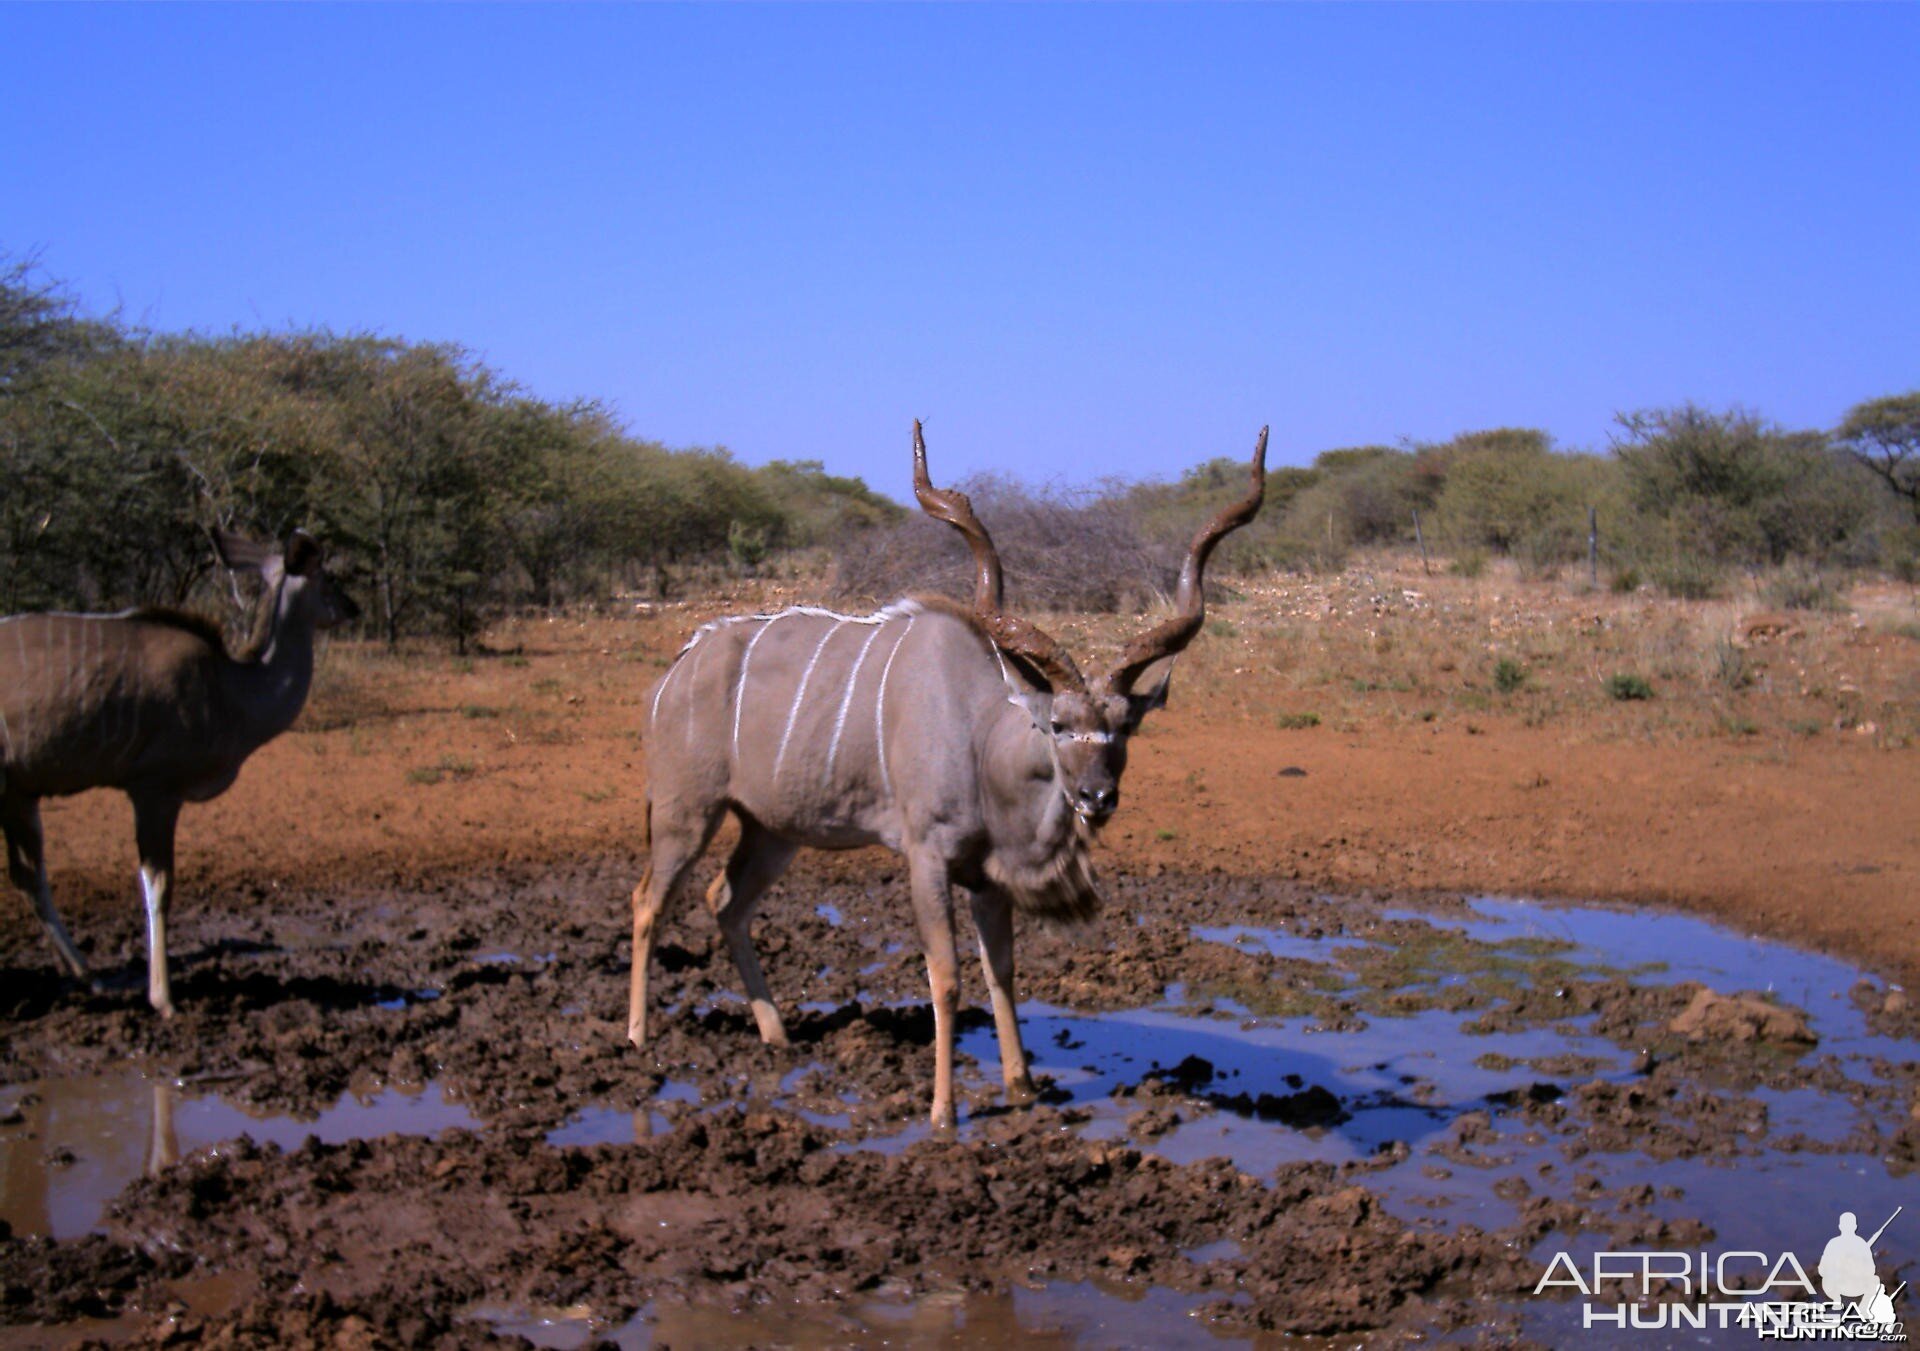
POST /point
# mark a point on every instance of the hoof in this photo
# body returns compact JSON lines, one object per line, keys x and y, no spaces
{"x":1022,"y":1093}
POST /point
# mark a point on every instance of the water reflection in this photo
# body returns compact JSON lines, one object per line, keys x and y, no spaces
{"x":80,"y":1141}
{"x":1050,"y":1316}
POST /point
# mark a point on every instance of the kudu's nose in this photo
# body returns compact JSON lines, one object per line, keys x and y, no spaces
{"x":1098,"y":802}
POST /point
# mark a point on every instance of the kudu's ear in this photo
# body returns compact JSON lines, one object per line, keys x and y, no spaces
{"x":240,"y":553}
{"x":303,"y":554}
{"x":1149,"y":692}
{"x":1039,"y":706}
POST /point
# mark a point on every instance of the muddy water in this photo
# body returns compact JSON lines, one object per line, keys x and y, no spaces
{"x":1079,"y":1315}
{"x":1266,"y":1111}
{"x":74,"y":1144}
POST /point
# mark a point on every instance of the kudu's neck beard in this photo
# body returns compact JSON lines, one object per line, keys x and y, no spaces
{"x":1049,"y":876}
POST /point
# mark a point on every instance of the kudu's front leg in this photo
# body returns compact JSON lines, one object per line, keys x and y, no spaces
{"x":154,"y":820}
{"x":933,"y":914}
{"x":993,"y":917}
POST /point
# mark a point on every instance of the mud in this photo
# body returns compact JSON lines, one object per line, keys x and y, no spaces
{"x":409,"y":1116}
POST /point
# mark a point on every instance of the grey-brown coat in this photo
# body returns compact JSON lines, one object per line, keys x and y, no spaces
{"x":965,"y":740}
{"x":150,"y":702}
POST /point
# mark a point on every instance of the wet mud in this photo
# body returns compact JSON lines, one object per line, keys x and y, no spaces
{"x":410,"y":1116}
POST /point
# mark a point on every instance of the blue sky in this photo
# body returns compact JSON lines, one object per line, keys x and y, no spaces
{"x":1078,"y":240}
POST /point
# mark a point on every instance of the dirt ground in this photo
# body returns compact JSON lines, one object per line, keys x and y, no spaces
{"x":425,"y":884}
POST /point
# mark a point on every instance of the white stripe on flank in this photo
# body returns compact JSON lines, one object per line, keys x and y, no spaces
{"x":840,"y":722}
{"x":880,"y":711}
{"x":653,"y":714}
{"x":131,"y":750}
{"x":117,"y":694}
{"x":64,"y":697}
{"x":26,"y":690}
{"x":693,"y":687}
{"x":6,"y":737}
{"x":80,"y":682}
{"x":110,"y":705}
{"x":740,"y":685}
{"x":800,"y":695}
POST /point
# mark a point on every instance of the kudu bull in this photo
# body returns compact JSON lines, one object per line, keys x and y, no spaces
{"x":966,"y":740}
{"x":150,"y":702}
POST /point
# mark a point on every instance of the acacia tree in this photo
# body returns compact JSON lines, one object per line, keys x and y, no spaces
{"x":1884,"y":435}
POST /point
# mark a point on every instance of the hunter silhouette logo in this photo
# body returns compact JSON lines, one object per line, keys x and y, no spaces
{"x":1769,"y":1294}
{"x":1848,"y":1276}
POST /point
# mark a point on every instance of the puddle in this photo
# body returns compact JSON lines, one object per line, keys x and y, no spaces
{"x":79,"y":1142}
{"x":606,"y":1125}
{"x":1667,"y":949}
{"x":1407,"y":1079}
{"x":1280,"y":943}
{"x":1399,"y":1079}
{"x":1065,"y":1315}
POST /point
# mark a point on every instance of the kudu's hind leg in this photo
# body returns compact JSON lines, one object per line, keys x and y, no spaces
{"x":675,"y":845}
{"x":756,"y":864}
{"x":154,"y":820}
{"x":27,"y":867}
{"x":993,"y":917}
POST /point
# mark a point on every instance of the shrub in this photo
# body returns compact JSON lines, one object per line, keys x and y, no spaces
{"x":1804,"y":589}
{"x":1626,"y":686}
{"x":1296,"y":722}
{"x":746,"y":545}
{"x":1508,"y":675}
{"x":1900,"y":554}
{"x":1507,"y":491}
{"x":1469,"y":564}
{"x":1687,"y":576}
{"x":1730,"y":665}
{"x":1059,"y":550}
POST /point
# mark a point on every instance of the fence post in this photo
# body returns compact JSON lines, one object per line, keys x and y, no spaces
{"x":1421,"y":540}
{"x":1593,"y":545}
